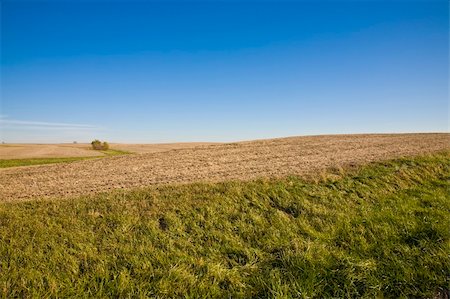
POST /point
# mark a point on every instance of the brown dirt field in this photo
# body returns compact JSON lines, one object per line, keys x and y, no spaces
{"x":27,"y":151}
{"x":157,"y":147}
{"x":240,"y":161}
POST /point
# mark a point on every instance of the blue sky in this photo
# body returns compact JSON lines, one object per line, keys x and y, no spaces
{"x":221,"y":71}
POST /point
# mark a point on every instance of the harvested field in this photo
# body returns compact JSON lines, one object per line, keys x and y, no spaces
{"x":234,"y":161}
{"x":26,"y":151}
{"x":157,"y":147}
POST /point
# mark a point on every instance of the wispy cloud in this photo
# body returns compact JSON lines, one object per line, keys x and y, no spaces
{"x":14,"y":130}
{"x":42,"y":125}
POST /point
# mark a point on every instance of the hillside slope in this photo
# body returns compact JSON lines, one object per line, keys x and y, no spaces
{"x":235,"y":161}
{"x":377,"y":232}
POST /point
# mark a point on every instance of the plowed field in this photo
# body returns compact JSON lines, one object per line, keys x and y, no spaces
{"x":232,"y":161}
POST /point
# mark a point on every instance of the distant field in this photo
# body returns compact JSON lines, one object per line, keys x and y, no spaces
{"x":5,"y":163}
{"x":377,"y":231}
{"x":29,"y":151}
{"x":158,"y":147}
{"x":13,"y":155}
{"x":304,"y":156}
{"x":32,"y":151}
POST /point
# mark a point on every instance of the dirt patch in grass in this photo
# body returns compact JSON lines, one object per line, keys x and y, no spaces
{"x":233,"y":161}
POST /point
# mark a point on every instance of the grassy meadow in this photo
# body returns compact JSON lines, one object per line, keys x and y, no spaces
{"x":381,"y":230}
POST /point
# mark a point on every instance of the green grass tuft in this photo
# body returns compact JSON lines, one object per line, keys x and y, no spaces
{"x":379,"y":231}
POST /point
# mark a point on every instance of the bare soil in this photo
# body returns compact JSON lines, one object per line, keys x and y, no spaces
{"x":28,"y":151}
{"x":157,"y":147}
{"x":212,"y":163}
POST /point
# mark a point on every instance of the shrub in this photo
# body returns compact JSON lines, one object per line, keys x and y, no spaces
{"x":99,"y":146}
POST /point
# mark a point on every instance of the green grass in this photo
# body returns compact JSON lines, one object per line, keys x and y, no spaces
{"x":4,"y":163}
{"x":381,"y":231}
{"x":39,"y":161}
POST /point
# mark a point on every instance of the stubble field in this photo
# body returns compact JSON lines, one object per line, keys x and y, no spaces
{"x":184,"y":163}
{"x":71,"y":150}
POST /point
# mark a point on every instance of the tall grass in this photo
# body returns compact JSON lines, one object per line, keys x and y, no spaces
{"x":379,"y":231}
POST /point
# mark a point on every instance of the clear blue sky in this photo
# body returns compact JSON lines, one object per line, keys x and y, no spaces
{"x":221,"y":71}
